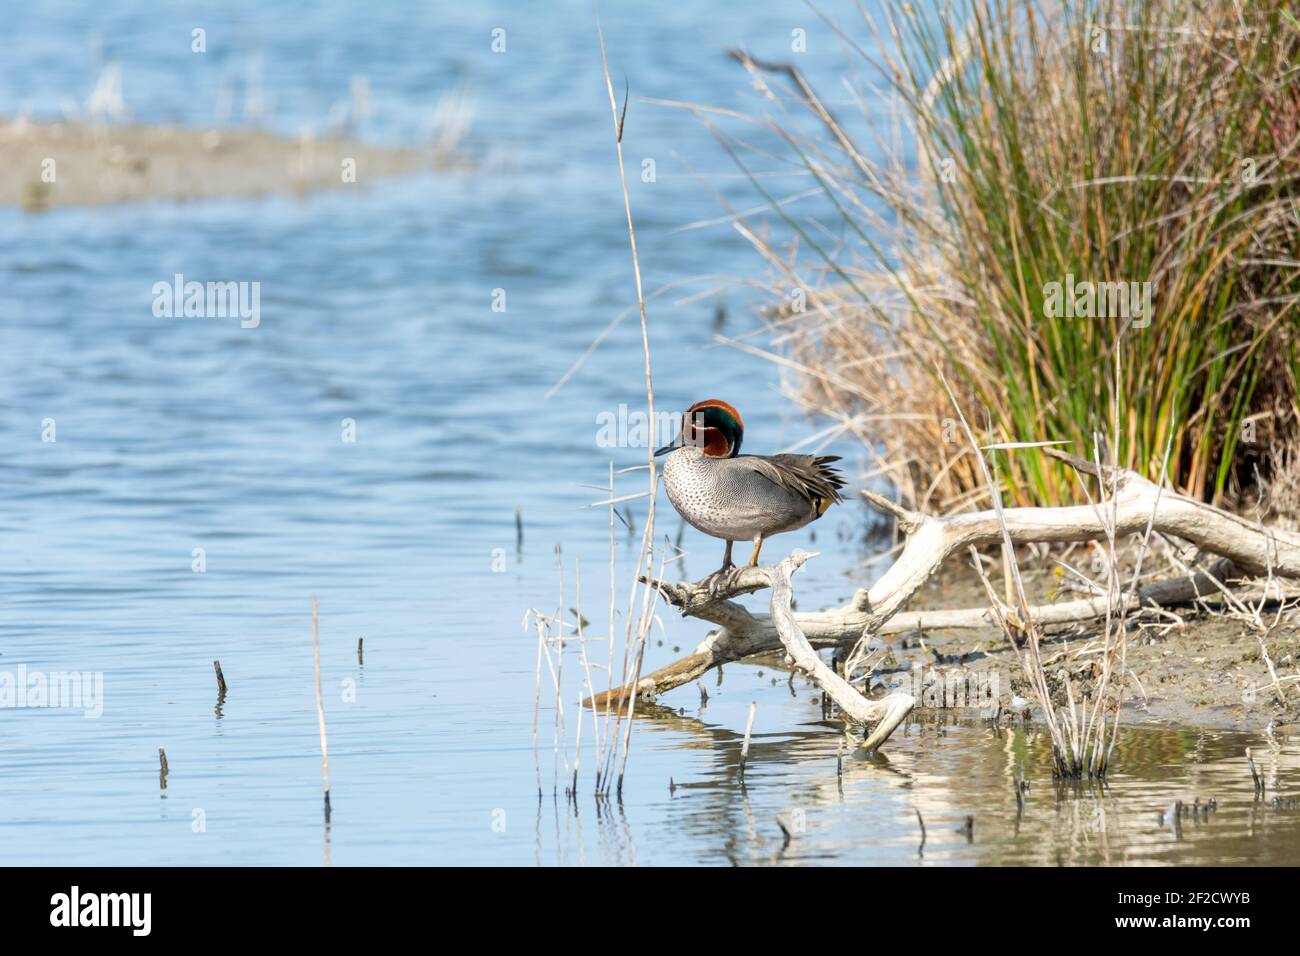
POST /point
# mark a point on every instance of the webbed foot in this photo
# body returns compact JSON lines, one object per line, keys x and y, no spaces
{"x":720,"y":578}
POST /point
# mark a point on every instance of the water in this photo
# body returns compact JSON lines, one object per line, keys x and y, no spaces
{"x":179,"y":434}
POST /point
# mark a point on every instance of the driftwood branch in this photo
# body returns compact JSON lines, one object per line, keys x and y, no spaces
{"x":932,"y":539}
{"x":886,"y":714}
{"x":1249,"y":550}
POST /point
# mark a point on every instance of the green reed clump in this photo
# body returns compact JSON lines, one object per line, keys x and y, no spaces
{"x":1149,"y":141}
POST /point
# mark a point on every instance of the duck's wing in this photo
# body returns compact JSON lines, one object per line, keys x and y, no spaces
{"x":809,"y":476}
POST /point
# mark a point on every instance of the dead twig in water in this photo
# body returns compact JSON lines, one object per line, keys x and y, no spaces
{"x":785,"y":834}
{"x":221,"y":678}
{"x":1254,"y":774}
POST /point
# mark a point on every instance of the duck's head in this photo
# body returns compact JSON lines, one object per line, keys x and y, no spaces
{"x":711,"y":425}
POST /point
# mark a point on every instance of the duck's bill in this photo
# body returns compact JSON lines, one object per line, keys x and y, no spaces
{"x":671,"y":446}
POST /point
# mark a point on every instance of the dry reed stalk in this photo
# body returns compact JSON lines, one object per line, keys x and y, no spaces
{"x":577,"y":753}
{"x":221,"y":678}
{"x":635,"y":647}
{"x":543,"y":624}
{"x":537,"y":706}
{"x":320,"y":706}
{"x":638,"y":644}
{"x":613,"y":602}
{"x":1078,"y":737}
{"x":744,"y":747}
{"x":558,"y":734}
{"x":591,"y":688}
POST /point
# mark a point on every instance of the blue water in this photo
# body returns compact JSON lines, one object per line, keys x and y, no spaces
{"x":376,"y":306}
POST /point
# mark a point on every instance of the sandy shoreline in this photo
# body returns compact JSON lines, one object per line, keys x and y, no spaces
{"x":49,"y":164}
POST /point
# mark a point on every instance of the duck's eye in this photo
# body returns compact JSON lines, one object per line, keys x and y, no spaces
{"x":716,"y":444}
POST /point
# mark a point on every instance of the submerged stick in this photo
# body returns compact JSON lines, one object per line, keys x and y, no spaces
{"x":221,"y":678}
{"x":785,"y":834}
{"x":162,"y":769}
{"x":361,"y":656}
{"x":320,"y":706}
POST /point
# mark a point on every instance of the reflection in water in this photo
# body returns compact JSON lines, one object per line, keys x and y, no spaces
{"x":944,"y":793}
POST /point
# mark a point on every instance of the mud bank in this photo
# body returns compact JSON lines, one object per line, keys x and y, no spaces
{"x":1207,"y":671}
{"x":77,"y":164}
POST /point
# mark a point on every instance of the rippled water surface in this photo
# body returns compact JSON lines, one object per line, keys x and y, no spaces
{"x":177,"y":434}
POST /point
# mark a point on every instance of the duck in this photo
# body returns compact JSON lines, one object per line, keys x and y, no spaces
{"x":736,"y":497}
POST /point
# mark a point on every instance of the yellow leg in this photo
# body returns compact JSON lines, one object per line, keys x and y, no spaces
{"x":758,"y":545}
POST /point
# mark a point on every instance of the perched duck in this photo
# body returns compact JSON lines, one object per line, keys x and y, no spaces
{"x":742,"y":497}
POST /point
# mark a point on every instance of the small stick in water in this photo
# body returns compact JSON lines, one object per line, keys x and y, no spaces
{"x":361,"y":656}
{"x":221,"y":678}
{"x":920,"y":850}
{"x":519,"y":529}
{"x":162,"y":769}
{"x":320,"y":707}
{"x":968,"y":828}
{"x":744,"y":749}
{"x":785,"y":833}
{"x":1259,"y":782}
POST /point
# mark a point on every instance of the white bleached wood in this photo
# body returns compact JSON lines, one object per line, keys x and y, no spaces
{"x":887,"y":714}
